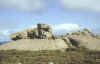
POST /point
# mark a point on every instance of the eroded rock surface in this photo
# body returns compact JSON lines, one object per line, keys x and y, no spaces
{"x":35,"y":45}
{"x":43,"y":31}
{"x":41,"y":38}
{"x":85,"y":38}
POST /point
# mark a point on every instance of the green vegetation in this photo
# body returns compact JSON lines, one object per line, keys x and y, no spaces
{"x":76,"y":56}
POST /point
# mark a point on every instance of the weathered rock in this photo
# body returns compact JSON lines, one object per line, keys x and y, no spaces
{"x":43,"y":31}
{"x":19,"y":35}
{"x":13,"y":37}
{"x":78,"y":38}
{"x":35,"y":45}
{"x":86,"y":39}
{"x":16,"y":36}
{"x":32,"y":33}
{"x":23,"y":34}
{"x":76,"y":32}
{"x":98,"y":36}
{"x":67,"y":41}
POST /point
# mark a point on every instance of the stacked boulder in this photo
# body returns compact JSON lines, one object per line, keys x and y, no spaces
{"x":43,"y":31}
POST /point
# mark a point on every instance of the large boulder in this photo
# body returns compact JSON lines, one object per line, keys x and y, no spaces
{"x":44,"y":31}
{"x":21,"y":35}
{"x":47,"y":35}
{"x":98,"y":36}
{"x":85,"y":39}
{"x":15,"y":36}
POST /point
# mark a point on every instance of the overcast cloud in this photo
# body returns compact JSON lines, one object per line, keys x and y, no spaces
{"x":39,"y":5}
{"x":65,"y":28}
{"x":23,"y":5}
{"x":88,"y":5}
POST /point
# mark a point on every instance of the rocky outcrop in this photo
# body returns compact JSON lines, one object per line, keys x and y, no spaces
{"x":41,"y":38}
{"x":85,"y":38}
{"x":25,"y":34}
{"x":98,"y":36}
{"x":43,"y":31}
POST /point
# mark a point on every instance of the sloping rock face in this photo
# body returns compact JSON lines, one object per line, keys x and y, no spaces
{"x":35,"y":45}
{"x":86,"y":39}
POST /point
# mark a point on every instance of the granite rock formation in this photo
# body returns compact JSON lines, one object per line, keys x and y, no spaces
{"x":43,"y":31}
{"x":84,"y":38}
{"x":41,"y":38}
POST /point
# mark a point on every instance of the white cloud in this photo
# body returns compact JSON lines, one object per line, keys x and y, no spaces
{"x":64,"y":28}
{"x":5,"y":32}
{"x":23,"y":5}
{"x":93,"y":5}
{"x":32,"y":26}
{"x":4,"y":35}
